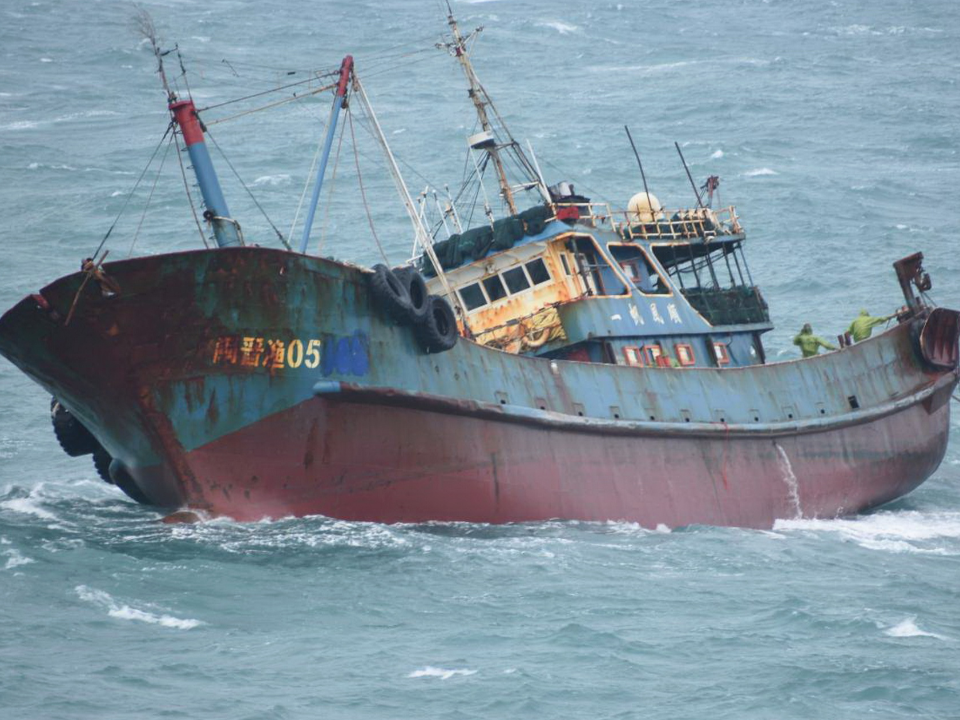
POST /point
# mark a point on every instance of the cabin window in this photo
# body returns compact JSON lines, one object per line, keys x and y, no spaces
{"x":652,"y":353}
{"x":599,"y":276}
{"x":632,"y":355}
{"x":538,"y":271}
{"x":472,"y":296}
{"x":637,"y":266}
{"x":685,"y":355}
{"x":566,"y":265}
{"x":516,"y":280}
{"x":721,"y":353}
{"x":494,"y":288}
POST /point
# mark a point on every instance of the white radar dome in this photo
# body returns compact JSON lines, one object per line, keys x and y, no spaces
{"x":644,"y":207}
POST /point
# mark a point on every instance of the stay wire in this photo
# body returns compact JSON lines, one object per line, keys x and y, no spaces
{"x":134,"y":190}
{"x":252,"y":197}
{"x":363,"y":195}
{"x":153,"y":189}
{"x":265,"y":92}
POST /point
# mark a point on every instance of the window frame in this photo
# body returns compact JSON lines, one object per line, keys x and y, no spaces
{"x":721,"y":353}
{"x":638,"y":356}
{"x":688,"y":348}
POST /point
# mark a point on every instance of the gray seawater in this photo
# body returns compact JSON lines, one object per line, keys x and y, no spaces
{"x":834,"y":128}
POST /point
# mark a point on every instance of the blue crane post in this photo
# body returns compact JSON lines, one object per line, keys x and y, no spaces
{"x":224,"y":228}
{"x":338,"y":102}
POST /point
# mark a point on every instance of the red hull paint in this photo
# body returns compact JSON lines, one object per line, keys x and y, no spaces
{"x":396,"y":464}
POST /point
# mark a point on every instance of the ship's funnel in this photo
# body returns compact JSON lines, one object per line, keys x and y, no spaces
{"x":644,"y":207}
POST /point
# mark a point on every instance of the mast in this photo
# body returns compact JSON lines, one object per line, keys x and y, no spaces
{"x":487,"y":139}
{"x":226,"y":230}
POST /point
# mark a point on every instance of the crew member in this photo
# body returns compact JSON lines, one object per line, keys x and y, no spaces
{"x":862,"y":327}
{"x":809,"y":343}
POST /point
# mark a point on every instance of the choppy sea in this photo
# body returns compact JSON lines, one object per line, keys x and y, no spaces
{"x":834,"y":127}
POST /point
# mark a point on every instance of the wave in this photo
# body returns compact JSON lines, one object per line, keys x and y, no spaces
{"x":443,"y":674}
{"x":897,"y":532}
{"x":908,"y":628}
{"x":759,"y":171}
{"x":15,"y":559}
{"x":561,"y":27}
{"x":125,"y":612}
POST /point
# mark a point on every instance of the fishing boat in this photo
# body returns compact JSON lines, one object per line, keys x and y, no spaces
{"x":564,"y":360}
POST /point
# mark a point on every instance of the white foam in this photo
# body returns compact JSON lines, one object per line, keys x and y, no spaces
{"x":561,"y":27}
{"x":125,"y":612}
{"x":272,"y":180}
{"x":443,"y":674}
{"x":27,"y":506}
{"x":896,"y":532}
{"x":908,"y":628}
{"x":760,"y":171}
{"x":717,"y":155}
{"x":46,"y":60}
{"x":15,"y":559}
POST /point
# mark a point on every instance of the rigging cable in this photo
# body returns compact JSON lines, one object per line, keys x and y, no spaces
{"x":134,"y":190}
{"x":244,"y":185}
{"x":363,"y":195}
{"x":153,"y":189}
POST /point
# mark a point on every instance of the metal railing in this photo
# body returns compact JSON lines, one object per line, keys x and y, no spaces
{"x":662,"y":225}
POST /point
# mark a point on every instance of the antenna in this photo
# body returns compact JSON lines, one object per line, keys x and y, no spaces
{"x":689,"y":176}
{"x":487,"y":139}
{"x":642,"y":174}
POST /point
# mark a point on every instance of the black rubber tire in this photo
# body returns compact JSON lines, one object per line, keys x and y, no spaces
{"x":438,"y":331}
{"x":390,"y":293}
{"x":417,"y":292}
{"x":73,"y":437}
{"x":101,"y":461}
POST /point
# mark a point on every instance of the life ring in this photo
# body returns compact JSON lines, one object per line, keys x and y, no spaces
{"x":438,"y":331}
{"x":390,"y":293}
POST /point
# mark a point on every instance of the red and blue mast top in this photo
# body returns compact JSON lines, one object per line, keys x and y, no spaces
{"x":225,"y":228}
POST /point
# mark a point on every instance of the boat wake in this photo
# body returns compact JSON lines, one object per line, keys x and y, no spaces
{"x":895,"y":531}
{"x":125,"y":612}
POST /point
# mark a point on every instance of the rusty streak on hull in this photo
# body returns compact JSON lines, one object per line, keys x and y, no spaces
{"x":368,"y":427}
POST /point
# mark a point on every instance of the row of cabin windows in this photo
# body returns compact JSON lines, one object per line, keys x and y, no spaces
{"x":513,"y":281}
{"x":652,"y":355}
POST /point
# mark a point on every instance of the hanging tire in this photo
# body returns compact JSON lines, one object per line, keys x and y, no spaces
{"x":73,"y":437}
{"x":390,"y":293}
{"x":438,"y":331}
{"x":102,"y":461}
{"x":417,"y":291}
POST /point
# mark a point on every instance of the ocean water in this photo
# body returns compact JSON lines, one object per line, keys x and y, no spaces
{"x":834,"y":127}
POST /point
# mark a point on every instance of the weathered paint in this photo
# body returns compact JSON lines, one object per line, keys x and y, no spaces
{"x":142,"y":371}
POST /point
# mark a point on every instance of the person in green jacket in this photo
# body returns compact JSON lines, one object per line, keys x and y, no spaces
{"x":809,"y":343}
{"x":863,"y":326}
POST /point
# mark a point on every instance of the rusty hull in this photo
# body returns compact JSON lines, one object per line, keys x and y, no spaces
{"x":258,"y":383}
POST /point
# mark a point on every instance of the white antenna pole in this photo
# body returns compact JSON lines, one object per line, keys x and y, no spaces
{"x":443,"y":215}
{"x":536,"y":166}
{"x":453,"y":210}
{"x":486,"y":202}
{"x":419,"y":231}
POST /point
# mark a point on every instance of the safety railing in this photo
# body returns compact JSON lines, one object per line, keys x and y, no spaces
{"x":661,"y":225}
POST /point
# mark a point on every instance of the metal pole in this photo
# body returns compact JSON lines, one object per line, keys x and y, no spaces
{"x":645,"y":188}
{"x":338,"y":102}
{"x":689,"y":176}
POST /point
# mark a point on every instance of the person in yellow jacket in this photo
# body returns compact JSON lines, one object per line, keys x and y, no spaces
{"x":809,"y":343}
{"x":863,"y":326}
